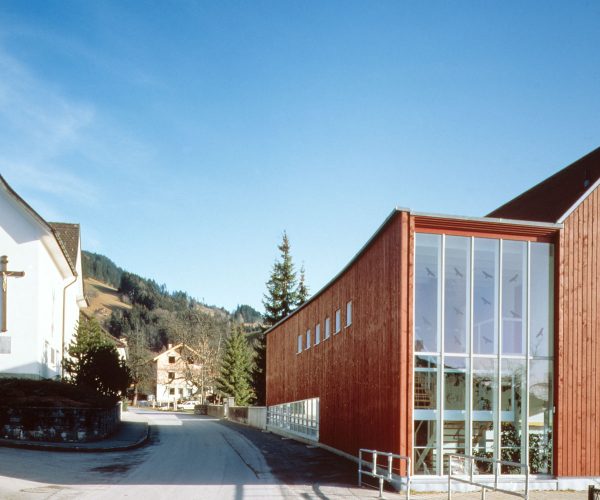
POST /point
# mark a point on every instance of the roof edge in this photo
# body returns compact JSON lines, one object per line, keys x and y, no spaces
{"x":388,"y":219}
{"x":580,"y":200}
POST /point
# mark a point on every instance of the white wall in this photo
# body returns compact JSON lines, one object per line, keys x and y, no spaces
{"x":35,"y":301}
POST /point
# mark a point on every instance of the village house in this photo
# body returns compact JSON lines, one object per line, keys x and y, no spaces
{"x":42,"y":289}
{"x":470,"y":335}
{"x":176,"y":371}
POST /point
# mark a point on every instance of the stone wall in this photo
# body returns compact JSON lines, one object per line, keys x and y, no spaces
{"x":59,"y":424}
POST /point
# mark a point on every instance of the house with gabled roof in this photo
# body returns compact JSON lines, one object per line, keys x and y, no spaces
{"x":477,"y":336}
{"x":42,"y":288}
{"x":176,"y":370}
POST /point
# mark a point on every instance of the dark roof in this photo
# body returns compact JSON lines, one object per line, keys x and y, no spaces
{"x":549,"y":200}
{"x":67,"y":236}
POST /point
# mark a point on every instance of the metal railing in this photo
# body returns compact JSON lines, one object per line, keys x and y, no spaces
{"x":593,"y":492}
{"x":496,"y":464}
{"x":382,"y":472}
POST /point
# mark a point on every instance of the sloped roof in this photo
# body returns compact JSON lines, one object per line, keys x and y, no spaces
{"x":67,"y":236}
{"x":556,"y":196}
{"x":174,"y":349}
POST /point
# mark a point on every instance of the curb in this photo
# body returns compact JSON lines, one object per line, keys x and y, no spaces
{"x":32,"y":445}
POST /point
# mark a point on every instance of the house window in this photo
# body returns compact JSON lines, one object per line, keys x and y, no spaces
{"x":317,"y":333}
{"x":181,"y":391}
{"x":327,"y":328}
{"x":338,"y":321}
{"x":171,"y":375}
{"x":171,"y":360}
{"x":308,"y":338}
{"x":299,"y":344}
{"x":172,"y":390}
{"x":349,"y":313}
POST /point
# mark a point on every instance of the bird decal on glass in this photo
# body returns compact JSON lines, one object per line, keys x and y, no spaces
{"x":514,"y":278}
{"x":426,"y":321}
{"x":487,"y":340}
{"x":540,"y":333}
{"x":514,"y":314}
{"x":430,"y":272}
{"x":458,"y":311}
{"x":457,"y":340}
{"x":457,"y":272}
{"x":486,"y":301}
{"x":487,"y":275}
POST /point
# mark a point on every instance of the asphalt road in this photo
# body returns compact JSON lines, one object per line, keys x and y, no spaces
{"x":188,"y":457}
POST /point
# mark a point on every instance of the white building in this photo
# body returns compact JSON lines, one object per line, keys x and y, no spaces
{"x":175,"y":369}
{"x":41,"y":289}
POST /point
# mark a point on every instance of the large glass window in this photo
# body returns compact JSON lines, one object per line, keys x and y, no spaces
{"x":483,"y":335}
{"x":514,"y":296}
{"x":457,"y":290}
{"x":427,"y":291}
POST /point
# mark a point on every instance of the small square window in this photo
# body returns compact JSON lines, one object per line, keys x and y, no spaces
{"x":308,"y":338}
{"x":338,"y":321}
{"x":172,"y":390}
{"x":171,"y":360}
{"x":349,"y":313}
{"x":327,"y":328}
{"x":181,"y":391}
{"x":317,"y":333}
{"x":171,"y":375}
{"x":299,"y":344}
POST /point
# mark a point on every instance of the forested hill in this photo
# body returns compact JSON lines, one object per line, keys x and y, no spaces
{"x":160,"y":316}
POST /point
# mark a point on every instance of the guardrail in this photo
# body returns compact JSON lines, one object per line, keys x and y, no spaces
{"x":382,"y":473}
{"x":496,"y":464}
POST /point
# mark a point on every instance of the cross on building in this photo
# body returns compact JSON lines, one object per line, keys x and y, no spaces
{"x":5,"y":273}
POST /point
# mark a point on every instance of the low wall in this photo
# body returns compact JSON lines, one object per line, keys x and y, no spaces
{"x":217,"y":411}
{"x":254,"y":416}
{"x":59,"y":424}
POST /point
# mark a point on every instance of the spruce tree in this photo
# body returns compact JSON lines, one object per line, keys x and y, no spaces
{"x":302,"y":293}
{"x":236,"y":369}
{"x":282,"y":296}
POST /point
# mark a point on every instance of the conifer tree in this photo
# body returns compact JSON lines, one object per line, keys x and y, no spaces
{"x":302,"y":293}
{"x":282,"y":296}
{"x":236,"y":369}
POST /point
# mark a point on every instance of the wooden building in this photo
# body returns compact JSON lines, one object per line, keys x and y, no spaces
{"x":446,"y":334}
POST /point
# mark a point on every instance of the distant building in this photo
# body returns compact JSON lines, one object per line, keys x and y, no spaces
{"x":175,"y":371}
{"x":42,"y":289}
{"x":470,"y":335}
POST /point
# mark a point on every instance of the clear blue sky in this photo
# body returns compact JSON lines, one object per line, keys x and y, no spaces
{"x":186,"y":136}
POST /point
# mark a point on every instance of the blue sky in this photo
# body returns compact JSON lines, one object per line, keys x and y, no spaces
{"x":185,"y":136}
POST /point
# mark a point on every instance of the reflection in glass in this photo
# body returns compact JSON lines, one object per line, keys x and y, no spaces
{"x":427,"y":290}
{"x":540,"y":416}
{"x":426,"y":382}
{"x":485,"y":296}
{"x":541,"y":299}
{"x":425,"y":447}
{"x":514,"y":296}
{"x":457,"y":279}
{"x":512,"y":408}
{"x":455,"y":383}
{"x":484,"y":403}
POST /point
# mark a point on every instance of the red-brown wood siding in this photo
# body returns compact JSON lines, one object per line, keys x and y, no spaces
{"x":361,"y":373}
{"x":577,"y":427}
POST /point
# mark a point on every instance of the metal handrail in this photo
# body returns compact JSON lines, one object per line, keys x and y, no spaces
{"x":380,"y":473}
{"x":496,"y":467}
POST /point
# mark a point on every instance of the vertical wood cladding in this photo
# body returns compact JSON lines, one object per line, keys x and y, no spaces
{"x":362,"y":374}
{"x":577,"y":430}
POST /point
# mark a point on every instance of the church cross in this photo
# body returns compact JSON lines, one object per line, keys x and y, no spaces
{"x":6,"y":274}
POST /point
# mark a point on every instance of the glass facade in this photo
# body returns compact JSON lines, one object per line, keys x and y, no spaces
{"x":299,"y":417}
{"x":483,"y":337}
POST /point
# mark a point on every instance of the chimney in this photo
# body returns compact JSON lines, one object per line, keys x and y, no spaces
{"x":170,"y":346}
